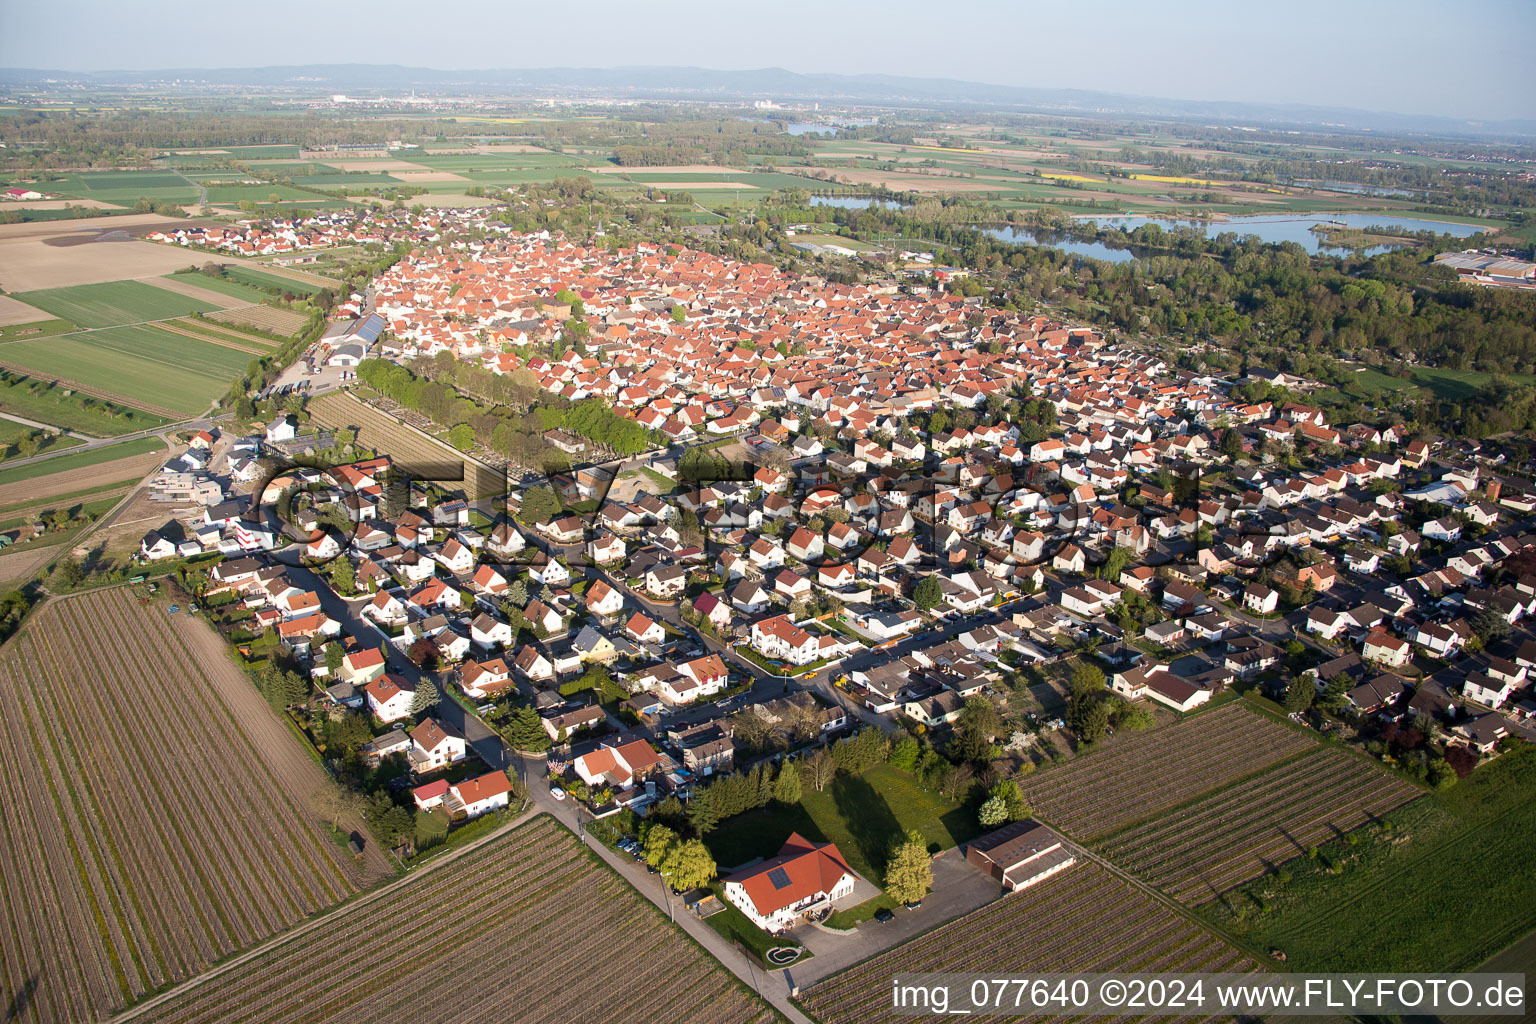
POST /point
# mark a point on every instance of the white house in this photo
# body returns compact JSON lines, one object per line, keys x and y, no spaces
{"x":483,"y":793}
{"x":803,"y":877}
{"x":435,"y":745}
{"x":390,"y":697}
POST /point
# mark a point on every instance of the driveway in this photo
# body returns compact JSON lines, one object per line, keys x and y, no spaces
{"x":959,"y":887}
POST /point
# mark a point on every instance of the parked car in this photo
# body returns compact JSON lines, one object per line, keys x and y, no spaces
{"x":557,"y":792}
{"x":914,"y":905}
{"x":883,"y":915}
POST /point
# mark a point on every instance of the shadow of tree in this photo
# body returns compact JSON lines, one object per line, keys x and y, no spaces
{"x":21,"y":1000}
{"x":870,"y":822}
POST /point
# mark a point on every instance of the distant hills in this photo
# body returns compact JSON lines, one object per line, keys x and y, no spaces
{"x":687,"y":83}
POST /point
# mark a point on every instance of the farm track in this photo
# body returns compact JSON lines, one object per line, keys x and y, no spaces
{"x":1112,"y":789}
{"x":147,"y":834}
{"x":1233,"y":836}
{"x":174,"y":415}
{"x":1084,"y":920}
{"x":174,"y":328}
{"x":529,"y":896}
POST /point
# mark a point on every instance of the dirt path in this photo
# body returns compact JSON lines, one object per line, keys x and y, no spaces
{"x":221,"y":341}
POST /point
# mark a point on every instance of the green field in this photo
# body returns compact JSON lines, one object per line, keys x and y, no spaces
{"x":222,"y":285}
{"x":1447,"y":887}
{"x":79,"y":460}
{"x":140,"y":363}
{"x":114,"y":303}
{"x":262,"y":279}
{"x":49,"y":403}
{"x":35,"y":329}
{"x":862,"y":814}
{"x":11,"y":432}
{"x":222,"y":194}
{"x":121,"y":186}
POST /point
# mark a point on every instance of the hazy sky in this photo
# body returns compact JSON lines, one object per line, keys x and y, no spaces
{"x":1406,"y":56}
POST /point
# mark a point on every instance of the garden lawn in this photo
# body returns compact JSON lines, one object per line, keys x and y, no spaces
{"x":114,"y":303}
{"x":862,"y":814}
{"x":1443,"y":890}
{"x":140,"y":363}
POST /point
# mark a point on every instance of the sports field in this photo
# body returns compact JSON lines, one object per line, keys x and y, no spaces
{"x":114,"y":303}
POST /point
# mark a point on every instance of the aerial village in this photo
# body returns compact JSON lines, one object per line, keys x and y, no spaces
{"x":862,"y":505}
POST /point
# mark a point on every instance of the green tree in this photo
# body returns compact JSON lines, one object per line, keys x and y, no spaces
{"x":1087,"y":678}
{"x":333,"y":657}
{"x":343,"y":576}
{"x":1115,"y":564}
{"x":540,"y":505}
{"x":786,"y":788}
{"x":1231,"y":443}
{"x":687,"y":865}
{"x":992,"y":813}
{"x":908,"y":872}
{"x":1012,"y":796}
{"x":1335,"y":695}
{"x":426,"y":698}
{"x":679,"y":315}
{"x":1300,"y":694}
{"x":904,"y":754}
{"x":1089,"y":718}
{"x":525,"y":731}
{"x":658,"y":840}
{"x":928,"y":594}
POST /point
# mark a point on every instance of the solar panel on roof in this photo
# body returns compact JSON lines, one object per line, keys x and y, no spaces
{"x":779,"y":877}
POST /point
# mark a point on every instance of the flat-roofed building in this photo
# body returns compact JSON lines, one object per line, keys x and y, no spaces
{"x":1020,"y":854}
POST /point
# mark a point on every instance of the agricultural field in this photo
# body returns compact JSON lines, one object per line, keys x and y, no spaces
{"x":296,"y":282}
{"x":74,"y":471}
{"x":63,"y":253}
{"x":120,"y":187}
{"x":1159,"y":769}
{"x":532,"y":895}
{"x":1082,"y":920}
{"x":142,"y":365}
{"x":222,"y":285}
{"x":1440,"y":885}
{"x":281,"y":322}
{"x":114,"y":303}
{"x":46,"y":402}
{"x":430,"y":460}
{"x":1238,"y":833}
{"x":159,"y":817}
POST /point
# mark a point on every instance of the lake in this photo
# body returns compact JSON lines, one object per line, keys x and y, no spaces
{"x":807,"y":128}
{"x":855,"y":202}
{"x":1095,"y":250}
{"x":1276,"y":228}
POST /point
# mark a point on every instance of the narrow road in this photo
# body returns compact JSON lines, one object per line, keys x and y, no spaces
{"x":91,"y":443}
